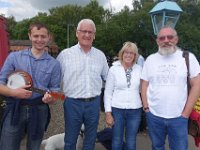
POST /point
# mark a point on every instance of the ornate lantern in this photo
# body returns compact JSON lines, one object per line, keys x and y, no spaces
{"x":165,"y":13}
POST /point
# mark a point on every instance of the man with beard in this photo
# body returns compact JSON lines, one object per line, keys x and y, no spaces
{"x":164,"y":92}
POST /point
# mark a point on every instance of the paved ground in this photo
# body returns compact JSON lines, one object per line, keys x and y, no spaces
{"x":57,"y":126}
{"x":143,"y":143}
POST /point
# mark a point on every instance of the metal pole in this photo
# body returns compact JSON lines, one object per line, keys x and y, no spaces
{"x":68,"y":35}
{"x":68,"y":27}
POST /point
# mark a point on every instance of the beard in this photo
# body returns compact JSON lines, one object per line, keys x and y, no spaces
{"x":166,"y":50}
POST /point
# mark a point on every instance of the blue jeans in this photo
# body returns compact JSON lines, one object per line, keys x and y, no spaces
{"x":11,"y":135}
{"x":76,"y":113}
{"x":126,"y":122}
{"x":175,"y":128}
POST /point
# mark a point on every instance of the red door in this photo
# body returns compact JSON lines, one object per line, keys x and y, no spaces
{"x":3,"y":41}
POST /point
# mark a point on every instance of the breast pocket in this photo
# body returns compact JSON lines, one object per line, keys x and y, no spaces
{"x":44,"y":77}
{"x":96,"y":69}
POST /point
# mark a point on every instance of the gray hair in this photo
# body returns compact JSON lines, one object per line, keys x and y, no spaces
{"x":87,"y":21}
{"x":168,"y":27}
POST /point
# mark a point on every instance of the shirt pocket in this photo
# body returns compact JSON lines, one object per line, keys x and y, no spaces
{"x":44,"y":77}
{"x":96,"y":69}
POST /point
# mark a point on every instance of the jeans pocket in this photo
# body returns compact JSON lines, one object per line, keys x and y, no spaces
{"x":147,"y":112}
{"x":182,"y":117}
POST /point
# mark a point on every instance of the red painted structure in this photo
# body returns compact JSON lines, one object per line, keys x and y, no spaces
{"x":4,"y":42}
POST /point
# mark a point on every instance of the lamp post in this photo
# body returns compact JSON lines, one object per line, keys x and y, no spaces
{"x":165,"y":13}
{"x":68,"y":26}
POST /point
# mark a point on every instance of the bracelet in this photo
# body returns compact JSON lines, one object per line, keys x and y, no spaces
{"x":145,"y":108}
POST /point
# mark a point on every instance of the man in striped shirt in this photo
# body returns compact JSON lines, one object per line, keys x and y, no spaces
{"x":83,"y":70}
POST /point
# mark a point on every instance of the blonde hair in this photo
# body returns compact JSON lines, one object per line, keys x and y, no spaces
{"x":130,"y":46}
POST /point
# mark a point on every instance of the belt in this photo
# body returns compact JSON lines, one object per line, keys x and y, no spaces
{"x":86,"y":99}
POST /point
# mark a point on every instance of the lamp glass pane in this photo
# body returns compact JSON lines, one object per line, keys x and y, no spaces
{"x":158,"y":21}
{"x":170,"y":21}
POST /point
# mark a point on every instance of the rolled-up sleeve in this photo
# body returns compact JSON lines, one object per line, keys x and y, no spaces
{"x":7,"y":68}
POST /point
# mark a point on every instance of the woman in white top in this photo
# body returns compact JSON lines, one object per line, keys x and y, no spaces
{"x":122,"y":100}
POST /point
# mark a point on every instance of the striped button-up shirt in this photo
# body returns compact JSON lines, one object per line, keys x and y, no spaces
{"x":82,"y":72}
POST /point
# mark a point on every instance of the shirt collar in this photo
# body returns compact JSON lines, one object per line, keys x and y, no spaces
{"x":45,"y":55}
{"x":90,"y":51}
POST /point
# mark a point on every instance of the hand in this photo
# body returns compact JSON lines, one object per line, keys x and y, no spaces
{"x":48,"y":98}
{"x":22,"y":92}
{"x":146,"y":109}
{"x":109,"y":119}
{"x":185,"y":115}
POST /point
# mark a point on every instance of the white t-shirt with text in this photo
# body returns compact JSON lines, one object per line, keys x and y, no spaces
{"x":167,"y":77}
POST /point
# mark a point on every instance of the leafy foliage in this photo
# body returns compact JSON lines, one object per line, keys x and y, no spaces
{"x":130,"y":24}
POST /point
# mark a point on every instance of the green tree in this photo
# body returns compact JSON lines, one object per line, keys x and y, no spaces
{"x":11,"y":23}
{"x":94,"y":11}
{"x":20,"y":32}
{"x":130,"y":24}
{"x":188,"y":27}
{"x":64,"y":19}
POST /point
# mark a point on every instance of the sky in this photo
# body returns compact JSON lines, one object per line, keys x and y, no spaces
{"x":23,"y":9}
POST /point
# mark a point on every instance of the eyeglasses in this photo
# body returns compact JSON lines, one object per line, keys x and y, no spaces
{"x":169,"y":37}
{"x":127,"y":52}
{"x":85,"y":32}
